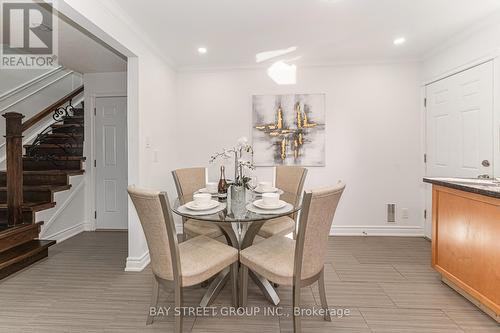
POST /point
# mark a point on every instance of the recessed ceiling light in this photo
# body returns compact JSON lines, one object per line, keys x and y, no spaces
{"x":399,"y":41}
{"x":202,"y":50}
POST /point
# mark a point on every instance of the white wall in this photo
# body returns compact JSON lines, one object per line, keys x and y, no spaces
{"x":68,"y":218}
{"x":372,"y":133}
{"x":12,"y":78}
{"x":150,"y":103}
{"x":478,"y":42}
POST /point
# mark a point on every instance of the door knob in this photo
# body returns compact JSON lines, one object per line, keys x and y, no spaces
{"x":486,"y":163}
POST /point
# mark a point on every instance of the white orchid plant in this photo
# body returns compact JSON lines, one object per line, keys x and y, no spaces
{"x":238,"y":152}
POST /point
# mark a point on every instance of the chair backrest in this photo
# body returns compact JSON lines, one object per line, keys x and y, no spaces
{"x":318,"y":210}
{"x":291,"y":180}
{"x":157,"y":222}
{"x":189,"y":180}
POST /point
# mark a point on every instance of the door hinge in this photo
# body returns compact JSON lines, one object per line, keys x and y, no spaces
{"x":425,"y":214}
{"x":425,"y":102}
{"x":95,"y":112}
{"x":95,"y":163}
{"x":95,"y":214}
{"x":425,"y":158}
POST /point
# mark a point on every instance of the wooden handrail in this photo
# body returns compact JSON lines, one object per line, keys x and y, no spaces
{"x":45,"y":112}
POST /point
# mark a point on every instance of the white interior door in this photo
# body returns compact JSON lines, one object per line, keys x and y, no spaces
{"x":460,"y":124}
{"x":111,"y":162}
{"x":459,"y":127}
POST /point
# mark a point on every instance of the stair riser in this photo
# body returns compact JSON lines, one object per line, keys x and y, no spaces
{"x":30,"y":196}
{"x":24,"y":263}
{"x":31,"y":165}
{"x":58,"y":151}
{"x":68,"y":130}
{"x":28,"y":216}
{"x":74,"y":121}
{"x":20,"y":238}
{"x":39,"y":179}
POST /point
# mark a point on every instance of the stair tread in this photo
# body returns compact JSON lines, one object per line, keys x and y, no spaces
{"x":51,"y":172}
{"x":23,"y":251}
{"x":61,"y":158}
{"x":66,"y":125}
{"x":11,"y":230}
{"x":55,"y":145}
{"x":33,"y":188}
{"x":32,"y":206}
{"x":64,"y":135}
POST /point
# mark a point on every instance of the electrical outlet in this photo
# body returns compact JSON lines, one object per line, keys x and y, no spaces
{"x":404,"y":213}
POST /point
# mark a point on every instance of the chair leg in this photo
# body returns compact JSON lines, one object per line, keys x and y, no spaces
{"x":154,"y":300}
{"x":297,"y":328}
{"x":243,"y":285}
{"x":322,"y":296}
{"x":234,"y":283}
{"x":178,"y":305}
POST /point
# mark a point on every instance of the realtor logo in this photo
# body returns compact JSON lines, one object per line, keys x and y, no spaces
{"x":29,"y":37}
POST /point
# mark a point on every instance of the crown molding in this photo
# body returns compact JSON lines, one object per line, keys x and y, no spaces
{"x":229,"y":68}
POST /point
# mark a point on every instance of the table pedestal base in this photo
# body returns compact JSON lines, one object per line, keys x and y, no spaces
{"x":221,"y":279}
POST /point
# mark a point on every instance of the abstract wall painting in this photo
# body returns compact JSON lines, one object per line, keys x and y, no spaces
{"x":289,"y":129}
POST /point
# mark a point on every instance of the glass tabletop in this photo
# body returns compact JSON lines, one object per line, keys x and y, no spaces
{"x":233,"y":210}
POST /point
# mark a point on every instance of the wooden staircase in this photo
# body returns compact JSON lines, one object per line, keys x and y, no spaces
{"x":44,"y":169}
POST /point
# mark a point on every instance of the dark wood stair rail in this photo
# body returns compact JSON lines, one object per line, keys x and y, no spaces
{"x":14,"y":155}
{"x":48,"y":110}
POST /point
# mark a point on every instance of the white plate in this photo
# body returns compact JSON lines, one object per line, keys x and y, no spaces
{"x":193,"y":206}
{"x":288,"y":208}
{"x":259,"y":194}
{"x":188,"y":212}
{"x":260,"y":204}
{"x":271,"y":190}
{"x":204,"y":190}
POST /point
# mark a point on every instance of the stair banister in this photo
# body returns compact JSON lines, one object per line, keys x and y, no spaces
{"x":14,"y":150}
{"x":48,"y":110}
{"x":14,"y":154}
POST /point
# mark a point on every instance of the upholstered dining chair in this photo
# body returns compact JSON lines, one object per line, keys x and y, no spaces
{"x":187,"y":181}
{"x":298,"y":263}
{"x":291,"y":180}
{"x":178,"y":265}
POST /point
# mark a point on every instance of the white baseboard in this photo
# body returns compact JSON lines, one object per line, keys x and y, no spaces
{"x":137,"y":264}
{"x":366,"y":230}
{"x":62,"y":235}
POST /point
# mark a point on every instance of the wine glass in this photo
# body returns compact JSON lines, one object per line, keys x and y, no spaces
{"x":252,"y":184}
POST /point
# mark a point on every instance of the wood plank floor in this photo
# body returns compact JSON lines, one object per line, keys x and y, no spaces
{"x":386,"y":282}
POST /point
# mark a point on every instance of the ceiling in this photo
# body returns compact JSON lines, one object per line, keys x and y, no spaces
{"x":324,"y":31}
{"x":83,"y":53}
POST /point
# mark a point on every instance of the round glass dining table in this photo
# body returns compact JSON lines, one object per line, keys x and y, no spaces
{"x":240,"y":221}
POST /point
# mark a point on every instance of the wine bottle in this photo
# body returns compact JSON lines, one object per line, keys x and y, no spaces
{"x":222,"y":188}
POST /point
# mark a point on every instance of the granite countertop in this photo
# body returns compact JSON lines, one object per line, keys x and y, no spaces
{"x":487,"y":187}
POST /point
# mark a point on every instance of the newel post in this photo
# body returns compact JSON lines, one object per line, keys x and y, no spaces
{"x":14,"y":153}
